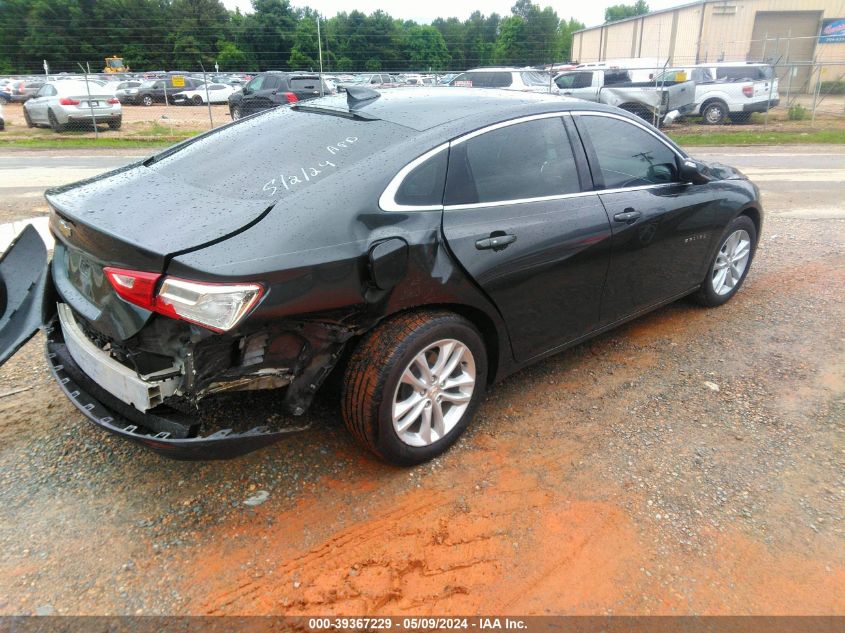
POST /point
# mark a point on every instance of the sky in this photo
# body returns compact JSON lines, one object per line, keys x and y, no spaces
{"x":590,"y":12}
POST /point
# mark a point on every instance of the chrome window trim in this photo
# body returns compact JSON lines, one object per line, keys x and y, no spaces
{"x":387,"y":200}
{"x":503,"y":124}
{"x":611,"y":115}
{"x":563,"y":196}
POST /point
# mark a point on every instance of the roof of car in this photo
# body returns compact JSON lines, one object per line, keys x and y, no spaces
{"x":427,"y":108}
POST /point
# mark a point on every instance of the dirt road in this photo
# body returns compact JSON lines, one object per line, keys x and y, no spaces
{"x":689,"y":462}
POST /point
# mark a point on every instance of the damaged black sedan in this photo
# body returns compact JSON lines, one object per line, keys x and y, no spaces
{"x":421,"y":245}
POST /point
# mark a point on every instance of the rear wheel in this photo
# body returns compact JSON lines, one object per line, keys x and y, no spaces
{"x":54,"y":122}
{"x":413,"y":384}
{"x":729,"y":266}
{"x":236,"y":112}
{"x":196,"y":100}
{"x":147,"y":100}
{"x":115,"y":124}
{"x":714,"y":113}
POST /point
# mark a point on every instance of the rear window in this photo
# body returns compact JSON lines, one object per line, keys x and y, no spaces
{"x":277,"y":153}
{"x":305,"y":83}
{"x":491,"y":79}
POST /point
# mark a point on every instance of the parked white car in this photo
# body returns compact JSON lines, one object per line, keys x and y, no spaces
{"x":525,"y":80}
{"x":731,"y":89}
{"x":217,"y":93}
{"x":66,"y":102}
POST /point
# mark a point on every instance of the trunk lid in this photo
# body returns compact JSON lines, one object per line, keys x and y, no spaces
{"x":135,"y":218}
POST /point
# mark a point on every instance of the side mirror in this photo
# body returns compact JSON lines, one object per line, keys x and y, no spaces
{"x":693,"y":172}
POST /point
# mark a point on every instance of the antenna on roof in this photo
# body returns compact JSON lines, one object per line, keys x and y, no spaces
{"x":358,"y":96}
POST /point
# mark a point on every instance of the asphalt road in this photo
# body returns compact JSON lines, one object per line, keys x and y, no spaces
{"x":689,"y":462}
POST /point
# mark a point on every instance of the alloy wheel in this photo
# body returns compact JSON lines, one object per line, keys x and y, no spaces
{"x":433,"y":393}
{"x":731,"y":262}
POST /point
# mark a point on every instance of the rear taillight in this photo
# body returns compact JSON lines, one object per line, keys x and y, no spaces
{"x":291,"y":97}
{"x":218,"y":307}
{"x":113,"y":101}
{"x":68,"y":101}
{"x":748,"y":91}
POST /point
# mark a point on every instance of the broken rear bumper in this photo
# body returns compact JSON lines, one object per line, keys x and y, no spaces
{"x":162,"y":434}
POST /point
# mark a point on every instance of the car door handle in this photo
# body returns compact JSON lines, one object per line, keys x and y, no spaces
{"x":495,"y":242}
{"x":629,"y":216}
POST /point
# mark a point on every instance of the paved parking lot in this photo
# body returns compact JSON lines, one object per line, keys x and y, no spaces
{"x":689,"y":462}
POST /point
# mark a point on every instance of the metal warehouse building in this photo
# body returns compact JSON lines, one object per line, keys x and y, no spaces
{"x":783,"y":32}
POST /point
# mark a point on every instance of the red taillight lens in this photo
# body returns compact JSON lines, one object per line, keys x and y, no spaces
{"x":748,"y":91}
{"x":291,"y":97}
{"x":218,"y":307}
{"x":113,"y":101}
{"x":134,"y":286}
{"x":68,"y":101}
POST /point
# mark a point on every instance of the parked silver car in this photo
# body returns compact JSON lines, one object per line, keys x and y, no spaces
{"x":63,"y":103}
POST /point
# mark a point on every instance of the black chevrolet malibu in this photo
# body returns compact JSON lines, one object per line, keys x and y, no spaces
{"x":421,"y":244}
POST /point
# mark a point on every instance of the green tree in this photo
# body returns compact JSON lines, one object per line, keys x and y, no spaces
{"x":511,"y":46}
{"x":426,"y":48}
{"x":305,"y":53}
{"x":230,"y":57}
{"x":622,"y":11}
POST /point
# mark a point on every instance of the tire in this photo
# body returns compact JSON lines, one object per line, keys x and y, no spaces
{"x":115,"y":124}
{"x":147,"y":100}
{"x":373,"y":385}
{"x":236,"y":112}
{"x":54,"y":123}
{"x":196,"y":100}
{"x":713,"y":291}
{"x":714,"y":113}
{"x":26,"y":118}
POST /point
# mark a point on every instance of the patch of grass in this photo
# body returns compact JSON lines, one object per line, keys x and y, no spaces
{"x":798,"y":113}
{"x":88,"y":142}
{"x":827,"y":137}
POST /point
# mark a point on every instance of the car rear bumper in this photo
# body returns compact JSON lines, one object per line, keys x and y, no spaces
{"x":760,"y":106}
{"x":100,"y":118}
{"x":167,"y":435}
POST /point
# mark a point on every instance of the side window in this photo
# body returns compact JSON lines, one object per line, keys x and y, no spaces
{"x":424,"y":185}
{"x":255,"y":84}
{"x":525,"y":160}
{"x":571,"y":81}
{"x":614,"y":77}
{"x":271,"y":83}
{"x":628,"y":156}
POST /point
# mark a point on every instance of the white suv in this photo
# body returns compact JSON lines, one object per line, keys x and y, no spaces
{"x":524,"y":79}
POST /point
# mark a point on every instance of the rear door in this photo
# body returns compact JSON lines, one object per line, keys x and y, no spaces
{"x":517,"y":219}
{"x":661,"y":227}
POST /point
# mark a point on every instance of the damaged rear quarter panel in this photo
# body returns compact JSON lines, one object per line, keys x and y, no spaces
{"x":319,"y":292}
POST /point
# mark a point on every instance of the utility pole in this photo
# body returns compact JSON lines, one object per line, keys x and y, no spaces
{"x":320,"y":51}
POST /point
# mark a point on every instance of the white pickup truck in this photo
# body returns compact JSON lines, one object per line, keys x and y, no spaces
{"x":734,"y":90}
{"x":649,"y":99}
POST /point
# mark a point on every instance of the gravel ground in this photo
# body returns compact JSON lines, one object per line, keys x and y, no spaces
{"x":689,"y":462}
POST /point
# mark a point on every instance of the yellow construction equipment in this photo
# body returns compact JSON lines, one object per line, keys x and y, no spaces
{"x":115,"y":65}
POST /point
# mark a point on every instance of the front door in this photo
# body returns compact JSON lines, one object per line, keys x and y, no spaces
{"x":517,"y":220}
{"x":662,"y":228}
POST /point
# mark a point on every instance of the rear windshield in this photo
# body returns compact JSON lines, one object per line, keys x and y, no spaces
{"x":277,"y":153}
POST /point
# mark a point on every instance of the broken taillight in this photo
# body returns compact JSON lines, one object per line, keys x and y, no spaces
{"x":218,"y":307}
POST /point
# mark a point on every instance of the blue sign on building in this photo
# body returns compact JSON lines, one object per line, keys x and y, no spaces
{"x":833,"y":31}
